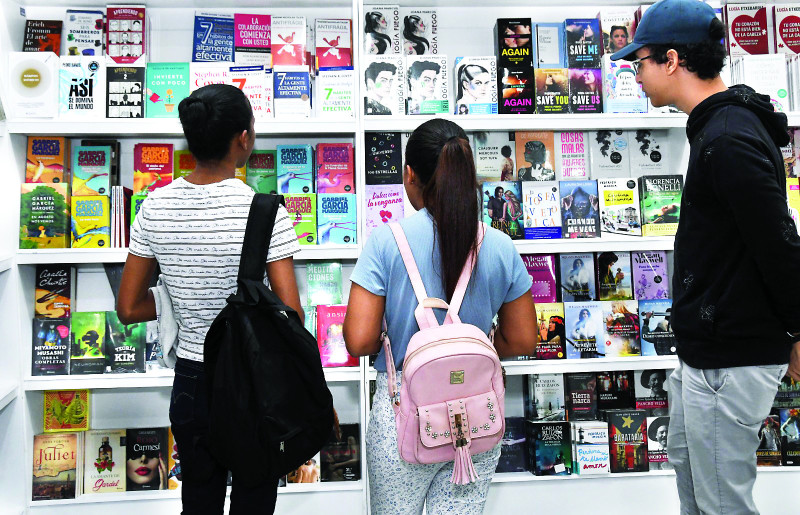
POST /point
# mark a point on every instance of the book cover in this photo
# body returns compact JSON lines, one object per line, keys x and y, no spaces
{"x":333,"y":41}
{"x":43,"y":216}
{"x":81,"y":87}
{"x":126,"y":41}
{"x":292,"y":95}
{"x":426,"y":85}
{"x":32,"y":85}
{"x":542,"y":207}
{"x":648,"y":152}
{"x":502,"y":207}
{"x":619,"y":206}
{"x":384,"y":204}
{"x":621,"y":332}
{"x":53,"y":291}
{"x":749,"y":29}
{"x":476,"y":85}
{"x":543,"y":397}
{"x":87,"y":355}
{"x":542,"y":269}
{"x":577,"y":277}
{"x":512,"y":451}
{"x":136,"y":203}
{"x":335,"y":168}
{"x":787,"y":29}
{"x":341,"y":455}
{"x":627,"y":442}
{"x":91,"y":171}
{"x":650,"y":275}
{"x":146,"y":454}
{"x":549,"y":448}
{"x":42,"y":36}
{"x":302,"y":209}
{"x":621,"y":92}
{"x":336,"y":99}
{"x":768,"y":453}
{"x":790,"y":437}
{"x":649,"y":389}
{"x":205,"y":73}
{"x":173,"y":462}
{"x":125,"y":344}
{"x":767,"y":74}
{"x":185,"y":163}
{"x":550,"y":46}
{"x":614,"y":277}
{"x":213,"y":37}
{"x":382,"y":25}
{"x":552,"y":90}
{"x":581,"y":396}
{"x":308,"y":472}
{"x":84,"y":32}
{"x":657,"y":337}
{"x":256,"y":84}
{"x":336,"y":218}
{"x":167,"y":85}
{"x":114,"y":146}
{"x":661,"y":204}
{"x":50,"y":355}
{"x":572,"y":155}
{"x":535,"y":155}
{"x":55,"y":466}
{"x":385,"y":83}
{"x":609,"y":153}
{"x":152,"y":167}
{"x":585,"y":90}
{"x":125,"y":91}
{"x":552,"y":332}
{"x":420,"y":31}
{"x":494,"y":156}
{"x":591,"y":448}
{"x":295,"y":168}
{"x":584,"y":42}
{"x":330,"y":337}
{"x":514,"y":44}
{"x":104,"y":461}
{"x":91,"y":222}
{"x":66,"y":411}
{"x":584,"y":330}
{"x":310,"y":319}
{"x":615,"y":390}
{"x":516,"y":90}
{"x":580,"y":217}
{"x":617,"y":24}
{"x":324,"y":283}
{"x":288,"y":41}
{"x":262,"y":171}
{"x":47,"y":159}
{"x":788,"y":395}
{"x":383,"y":158}
{"x":252,"y":39}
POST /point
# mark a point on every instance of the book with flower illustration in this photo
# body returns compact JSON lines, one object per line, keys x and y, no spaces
{"x":104,"y":461}
{"x":66,"y":410}
{"x":302,"y":208}
{"x":152,"y":167}
{"x":167,"y":85}
{"x":330,"y":337}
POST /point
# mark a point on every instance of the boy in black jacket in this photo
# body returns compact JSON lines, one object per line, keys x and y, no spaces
{"x":736,"y":307}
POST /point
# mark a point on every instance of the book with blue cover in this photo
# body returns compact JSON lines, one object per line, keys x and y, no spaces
{"x":295,"y":169}
{"x":656,"y":328}
{"x":213,"y":38}
{"x":292,"y":92}
{"x":580,"y":209}
{"x":336,"y":218}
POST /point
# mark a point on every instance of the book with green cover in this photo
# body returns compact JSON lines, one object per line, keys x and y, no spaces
{"x":262,"y":173}
{"x":43,"y":216}
{"x":185,"y":163}
{"x":167,"y":85}
{"x":136,"y":202}
{"x":91,"y":171}
{"x":324,"y":283}
{"x":125,"y":345}
{"x":87,"y":355}
{"x":302,"y":208}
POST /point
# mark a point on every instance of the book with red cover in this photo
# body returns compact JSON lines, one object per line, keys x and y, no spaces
{"x":152,"y":166}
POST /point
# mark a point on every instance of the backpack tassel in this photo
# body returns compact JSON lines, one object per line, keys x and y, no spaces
{"x":463,"y":468}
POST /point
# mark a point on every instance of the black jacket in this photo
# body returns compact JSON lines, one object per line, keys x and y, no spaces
{"x":736,"y":285}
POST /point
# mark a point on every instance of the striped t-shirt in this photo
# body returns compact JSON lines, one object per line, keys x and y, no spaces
{"x":196,"y":234}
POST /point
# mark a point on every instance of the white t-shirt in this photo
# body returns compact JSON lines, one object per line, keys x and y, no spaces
{"x":196,"y":234}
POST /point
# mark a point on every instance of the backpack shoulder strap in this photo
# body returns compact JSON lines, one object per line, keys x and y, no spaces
{"x":463,"y":280}
{"x":424,"y":312}
{"x":257,"y":236}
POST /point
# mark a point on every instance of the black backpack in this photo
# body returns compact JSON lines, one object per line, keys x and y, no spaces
{"x":270,"y":409}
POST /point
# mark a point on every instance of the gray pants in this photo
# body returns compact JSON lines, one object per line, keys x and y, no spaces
{"x":715,"y":415}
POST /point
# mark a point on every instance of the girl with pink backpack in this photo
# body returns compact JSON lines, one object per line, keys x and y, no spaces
{"x":424,"y":293}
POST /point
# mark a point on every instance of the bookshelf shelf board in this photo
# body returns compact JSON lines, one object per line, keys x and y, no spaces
{"x":566,"y":366}
{"x":7,"y":394}
{"x":607,"y":242}
{"x":6,"y":262}
{"x":517,"y":477}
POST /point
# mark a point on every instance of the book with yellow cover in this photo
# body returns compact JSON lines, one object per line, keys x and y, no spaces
{"x":91,"y":222}
{"x":66,"y":410}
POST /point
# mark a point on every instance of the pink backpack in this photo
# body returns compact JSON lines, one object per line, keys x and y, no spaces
{"x":450,"y":404}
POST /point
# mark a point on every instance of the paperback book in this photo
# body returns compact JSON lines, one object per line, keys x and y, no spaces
{"x":125,"y":91}
{"x":657,"y":336}
{"x":617,"y":24}
{"x":330,"y":337}
{"x":788,"y":395}
{"x":257,"y":84}
{"x":295,"y":168}
{"x":657,"y":430}
{"x":790,"y":437}
{"x":308,"y":472}
{"x":577,"y":277}
{"x":514,"y":45}
{"x":651,"y":395}
{"x":543,"y":397}
{"x":91,"y":171}
{"x":609,"y":154}
{"x":585,"y":90}
{"x":787,"y":35}
{"x":512,"y":451}
{"x":581,"y":394}
{"x":50,"y":355}
{"x":572,"y":155}
{"x":615,"y":390}
{"x":768,"y":453}
{"x":621,"y":92}
{"x":550,"y":46}
{"x":627,"y":442}
{"x":619,"y":206}
{"x":66,"y":411}
{"x":552,"y":331}
{"x":125,"y":344}
{"x":580,"y":217}
{"x":84,"y":33}
{"x":750,"y":29}
{"x":535,"y":155}
{"x":126,"y":37}
{"x":382,"y":26}
{"x":104,"y":461}
{"x":420,"y":31}
{"x":383,"y":159}
{"x":87,"y":354}
{"x":384,"y":204}
{"x":114,"y":146}
{"x":614,"y":277}
{"x":333,"y":40}
{"x":549,"y":448}
{"x":47,"y":159}
{"x":476,"y":85}
{"x":32,"y":85}
{"x":650,"y":275}
{"x":336,"y":98}
{"x":590,"y":448}
{"x":335,"y":167}
{"x":42,"y":36}
{"x":542,"y":208}
{"x":44,"y":216}
{"x":292,"y":87}
{"x":542,"y":269}
{"x":146,"y":452}
{"x":302,"y":209}
{"x":584,"y":330}
{"x":252,"y":39}
{"x":516,"y":90}
{"x":385,"y":83}
{"x":324,"y":283}
{"x":53,"y":291}
{"x":648,"y":152}
{"x":213,"y":37}
{"x":494,"y":156}
{"x":82,"y":87}
{"x":55,"y":466}
{"x":205,"y":73}
{"x":288,"y":41}
{"x":584,"y":42}
{"x":502,"y":207}
{"x":336,"y":218}
{"x":152,"y":167}
{"x":262,"y":171}
{"x":185,"y":163}
{"x":341,"y":456}
{"x":552,"y":91}
{"x":167,"y":85}
{"x":426,"y":88}
{"x":621,"y":334}
{"x":661,"y":204}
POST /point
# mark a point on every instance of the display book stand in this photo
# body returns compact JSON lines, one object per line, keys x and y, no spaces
{"x":121,"y":401}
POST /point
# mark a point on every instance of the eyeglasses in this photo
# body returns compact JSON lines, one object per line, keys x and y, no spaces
{"x":637,"y":63}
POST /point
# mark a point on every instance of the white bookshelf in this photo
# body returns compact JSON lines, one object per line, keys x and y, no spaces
{"x":8,"y":394}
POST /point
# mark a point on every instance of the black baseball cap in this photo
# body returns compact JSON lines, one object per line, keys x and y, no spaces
{"x":670,"y":22}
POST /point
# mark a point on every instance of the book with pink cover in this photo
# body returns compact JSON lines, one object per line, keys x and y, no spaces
{"x":542,"y":269}
{"x":384,"y":204}
{"x":152,"y":166}
{"x":335,"y":168}
{"x":330,"y":337}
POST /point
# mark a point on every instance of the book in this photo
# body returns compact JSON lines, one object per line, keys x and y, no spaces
{"x":502,"y":207}
{"x":552,"y":90}
{"x":42,"y":36}
{"x":549,"y":448}
{"x":126,"y":33}
{"x":384,"y":204}
{"x":648,"y":387}
{"x":262,"y":171}
{"x":185,"y":163}
{"x":580,"y":217}
{"x":584,"y":42}
{"x":550,"y":46}
{"x":205,"y":73}
{"x":32,"y":85}
{"x":125,"y":344}
{"x":787,"y":35}
{"x":476,"y":85}
{"x":55,"y":466}
{"x":91,"y":171}
{"x":288,"y":41}
{"x":581,"y":395}
{"x":44,"y":216}
{"x":82,"y":87}
{"x":292,"y":92}
{"x":516,"y":90}
{"x":543,"y":397}
{"x":310,"y":319}
{"x":619,"y":206}
{"x":136,"y":203}
{"x":91,"y":222}
{"x":420,"y":31}
{"x":577,"y":277}
{"x":213,"y":37}
{"x":125,"y":91}
{"x":609,"y":154}
{"x":324,"y":283}
{"x":572,"y":155}
{"x":767,"y":74}
{"x":426,"y":85}
{"x":295,"y":168}
{"x":145,"y":450}
{"x":788,"y":395}
{"x":152,"y":167}
{"x":341,"y":455}
{"x":512,"y":451}
{"x":50,"y":354}
{"x":383,"y":159}
{"x":66,"y":411}
{"x":335,"y":98}
{"x":627,"y":442}
{"x":552,"y":332}
{"x":750,"y":29}
{"x":167,"y":85}
{"x":648,"y":152}
{"x":584,"y":329}
{"x":84,"y":32}
{"x":47,"y":159}
{"x":333,"y":42}
{"x":514,"y":46}
{"x":590,"y":453}
{"x":657,"y":337}
{"x":542,"y":211}
{"x":621,"y":92}
{"x":614,"y":277}
{"x":494,"y":156}
{"x":308,"y":472}
{"x":382,"y":25}
{"x":615,"y":390}
{"x":330,"y":338}
{"x":585,"y":90}
{"x":661,"y":204}
{"x":252,"y":39}
{"x":173,"y":462}
{"x":104,"y":461}
{"x":535,"y":155}
{"x":336,"y":218}
{"x":385,"y":83}
{"x":302,"y":209}
{"x":650,"y":275}
{"x":334,"y":165}
{"x":114,"y":146}
{"x":542,"y":269}
{"x":87,"y":355}
{"x":621,"y":332}
{"x":257,"y":84}
{"x":790,"y":437}
{"x":768,"y":453}
{"x":617,"y":25}
{"x":53,"y":291}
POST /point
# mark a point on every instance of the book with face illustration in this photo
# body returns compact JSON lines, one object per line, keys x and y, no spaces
{"x":475,"y":85}
{"x":384,"y":83}
{"x":580,"y":216}
{"x":382,"y":29}
{"x":427,"y":84}
{"x":502,"y":207}
{"x":420,"y":31}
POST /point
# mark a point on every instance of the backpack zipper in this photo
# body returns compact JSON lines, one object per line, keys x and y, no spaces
{"x":443,"y":342}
